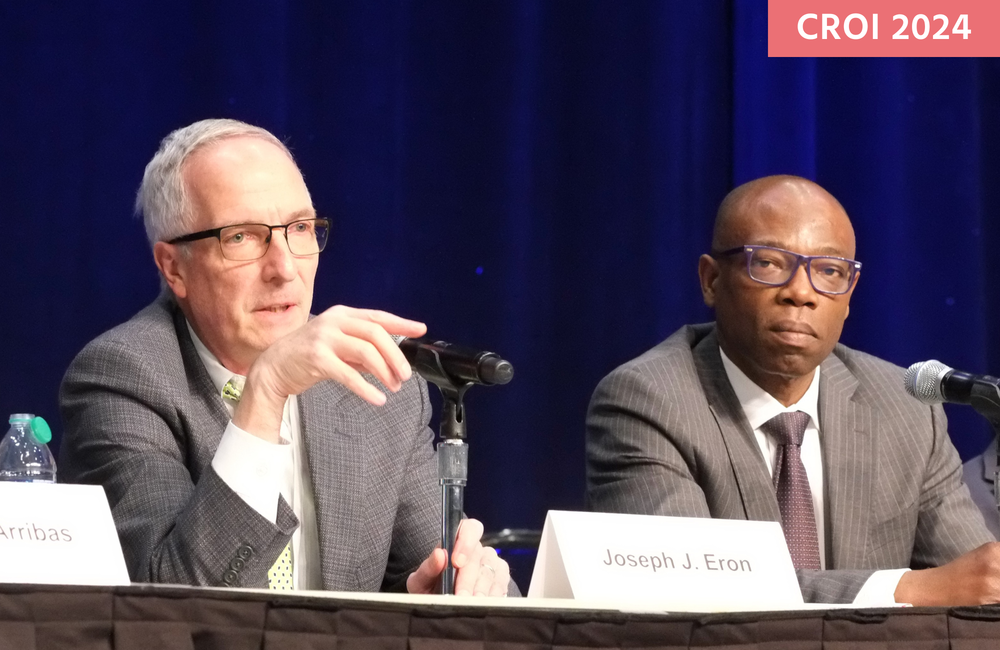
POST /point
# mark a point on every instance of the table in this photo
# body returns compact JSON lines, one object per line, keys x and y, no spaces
{"x":153,"y":617}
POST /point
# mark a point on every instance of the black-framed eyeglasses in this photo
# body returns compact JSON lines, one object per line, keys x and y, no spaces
{"x":243,"y":242}
{"x":776,"y":267}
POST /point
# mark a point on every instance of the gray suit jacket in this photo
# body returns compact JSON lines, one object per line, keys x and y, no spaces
{"x":666,"y":435}
{"x":978,"y":473}
{"x":143,"y":419}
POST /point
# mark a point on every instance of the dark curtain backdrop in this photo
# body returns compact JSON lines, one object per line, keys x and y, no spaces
{"x":529,"y":176}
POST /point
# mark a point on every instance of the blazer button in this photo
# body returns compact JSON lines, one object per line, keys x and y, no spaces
{"x":244,"y":552}
{"x":237,"y":564}
{"x":229,"y":577}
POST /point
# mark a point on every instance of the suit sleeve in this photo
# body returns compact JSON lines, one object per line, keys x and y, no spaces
{"x":640,"y":462}
{"x":948,"y":523}
{"x":635,"y":462}
{"x":122,"y":432}
{"x":415,"y":531}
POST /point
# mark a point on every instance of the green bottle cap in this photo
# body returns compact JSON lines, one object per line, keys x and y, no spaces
{"x":40,"y":429}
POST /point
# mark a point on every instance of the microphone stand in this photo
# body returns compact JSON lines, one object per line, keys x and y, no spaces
{"x":986,"y":401}
{"x":453,"y":473}
{"x":453,"y":457}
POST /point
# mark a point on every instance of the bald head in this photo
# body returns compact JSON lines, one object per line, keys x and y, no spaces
{"x":799,"y":198}
{"x":777,"y":334}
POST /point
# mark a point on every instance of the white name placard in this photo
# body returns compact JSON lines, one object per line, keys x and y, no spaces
{"x":58,"y":534}
{"x":665,"y":563}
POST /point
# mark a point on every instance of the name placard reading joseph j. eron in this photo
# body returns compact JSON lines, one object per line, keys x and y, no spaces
{"x":670,"y":563}
{"x":58,"y":534}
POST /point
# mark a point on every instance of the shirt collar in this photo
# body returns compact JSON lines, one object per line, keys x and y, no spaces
{"x":760,"y":406}
{"x":220,"y":376}
{"x":216,"y":371}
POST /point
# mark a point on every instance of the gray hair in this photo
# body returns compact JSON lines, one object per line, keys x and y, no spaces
{"x":162,"y":199}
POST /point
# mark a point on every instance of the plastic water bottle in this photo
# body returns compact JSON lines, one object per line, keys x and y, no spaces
{"x":24,"y":454}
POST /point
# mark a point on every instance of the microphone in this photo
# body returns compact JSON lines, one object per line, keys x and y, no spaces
{"x":438,"y":360}
{"x":932,"y":382}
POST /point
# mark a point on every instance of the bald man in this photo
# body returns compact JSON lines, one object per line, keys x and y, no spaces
{"x":762,"y":415}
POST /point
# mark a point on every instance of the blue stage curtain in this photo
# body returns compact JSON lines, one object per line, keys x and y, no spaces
{"x":535,"y":177}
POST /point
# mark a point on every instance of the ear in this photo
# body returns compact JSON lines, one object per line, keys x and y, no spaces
{"x":168,"y":260}
{"x":708,"y":274}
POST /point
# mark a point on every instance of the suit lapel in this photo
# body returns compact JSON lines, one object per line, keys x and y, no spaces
{"x":752,"y":477}
{"x":846,"y":438}
{"x":336,"y":464}
{"x":203,"y":392}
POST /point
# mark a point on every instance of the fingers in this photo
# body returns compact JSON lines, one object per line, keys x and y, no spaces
{"x":470,"y":531}
{"x":360,"y":338}
{"x":393,"y":324}
{"x":354,"y":382}
{"x":494,"y":574}
{"x":479,"y":571}
{"x":501,"y":583}
{"x":467,"y":574}
{"x":384,"y":346}
{"x":339,"y":344}
{"x":427,"y":578}
{"x":363,"y":356}
{"x":485,"y":574}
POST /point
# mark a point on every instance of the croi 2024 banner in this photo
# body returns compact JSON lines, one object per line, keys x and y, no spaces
{"x":883,"y":28}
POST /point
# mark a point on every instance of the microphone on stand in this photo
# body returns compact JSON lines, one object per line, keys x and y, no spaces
{"x":436,"y":360}
{"x":453,"y":369}
{"x":932,"y":382}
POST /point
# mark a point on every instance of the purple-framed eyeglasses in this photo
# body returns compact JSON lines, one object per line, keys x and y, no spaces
{"x":776,"y":267}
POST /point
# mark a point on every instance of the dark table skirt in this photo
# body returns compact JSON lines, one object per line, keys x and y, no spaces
{"x":155,"y":617}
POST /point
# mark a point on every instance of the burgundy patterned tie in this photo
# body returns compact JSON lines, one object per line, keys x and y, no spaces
{"x":792,"y":488}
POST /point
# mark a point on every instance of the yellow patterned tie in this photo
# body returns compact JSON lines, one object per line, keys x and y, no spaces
{"x":233,"y":390}
{"x":279,"y":576}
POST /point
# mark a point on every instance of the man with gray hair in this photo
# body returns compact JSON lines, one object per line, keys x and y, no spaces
{"x":240,"y":441}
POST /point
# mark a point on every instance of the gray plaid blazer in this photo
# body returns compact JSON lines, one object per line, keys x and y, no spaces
{"x":666,"y":435}
{"x":143,"y":419}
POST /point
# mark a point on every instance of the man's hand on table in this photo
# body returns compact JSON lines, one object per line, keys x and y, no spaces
{"x":479,"y":571}
{"x":972,"y":579}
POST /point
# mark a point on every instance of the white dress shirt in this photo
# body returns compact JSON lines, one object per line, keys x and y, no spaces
{"x":259,"y":471}
{"x":759,"y":406}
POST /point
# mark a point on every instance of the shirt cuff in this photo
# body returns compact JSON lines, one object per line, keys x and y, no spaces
{"x":880,"y":589}
{"x":251,"y":468}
